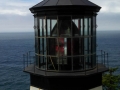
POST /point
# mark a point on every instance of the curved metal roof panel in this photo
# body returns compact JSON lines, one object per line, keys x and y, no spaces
{"x":77,"y":2}
{"x":89,"y":3}
{"x":64,"y":2}
{"x":51,"y":3}
{"x":41,"y":3}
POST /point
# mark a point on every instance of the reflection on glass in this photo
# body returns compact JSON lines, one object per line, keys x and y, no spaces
{"x":63,"y":48}
{"x":36,"y":45}
{"x":35,"y":26}
{"x":90,"y":45}
{"x":94,"y":25}
{"x":89,"y":26}
{"x":54,"y":27}
{"x":86,"y":26}
{"x":77,"y":24}
{"x":41,"y":27}
{"x":37,"y":60}
{"x":85,"y":46}
{"x":52,"y":63}
{"x":41,"y":49}
{"x":48,"y":27}
{"x":81,"y":26}
{"x":44,"y":27}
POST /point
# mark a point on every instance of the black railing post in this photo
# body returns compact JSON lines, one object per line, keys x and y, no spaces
{"x":27,"y":59}
{"x":107,"y":61}
{"x":97,"y":62}
{"x":85,"y":64}
{"x":34,"y":63}
{"x":101,"y":57}
{"x":104,"y":58}
{"x":30,"y":56}
{"x":24,"y":61}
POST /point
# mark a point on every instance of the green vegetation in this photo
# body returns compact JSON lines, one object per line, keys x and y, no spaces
{"x":111,"y":81}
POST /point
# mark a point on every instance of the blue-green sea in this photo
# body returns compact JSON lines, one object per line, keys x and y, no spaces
{"x":14,"y":45}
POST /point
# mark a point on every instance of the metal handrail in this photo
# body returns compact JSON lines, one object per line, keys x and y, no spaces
{"x":102,"y":58}
{"x":27,"y":59}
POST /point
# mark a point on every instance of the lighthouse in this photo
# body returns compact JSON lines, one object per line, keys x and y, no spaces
{"x":65,"y":56}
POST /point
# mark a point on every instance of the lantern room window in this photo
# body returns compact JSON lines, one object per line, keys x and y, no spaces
{"x":65,"y":43}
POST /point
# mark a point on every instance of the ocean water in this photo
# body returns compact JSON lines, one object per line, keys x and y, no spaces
{"x":12,"y":48}
{"x":109,"y":41}
{"x":14,"y":45}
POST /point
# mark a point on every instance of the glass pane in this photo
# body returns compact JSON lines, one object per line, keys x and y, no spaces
{"x":44,"y":26}
{"x":78,"y":63}
{"x":52,"y":63}
{"x":86,"y":62}
{"x":89,"y":26}
{"x":45,"y":46}
{"x":42,"y":62}
{"x":54,"y":27}
{"x":90,"y":62}
{"x":81,"y":47}
{"x":94,"y":60}
{"x":64,"y":26}
{"x":89,"y":45}
{"x":55,"y":63}
{"x":37,"y":60}
{"x":52,"y":44}
{"x":94,"y":25}
{"x":36,"y":26}
{"x":41,"y":44}
{"x":68,"y":66}
{"x":38,"y":50}
{"x":54,"y":22}
{"x":86,"y":26}
{"x":76,"y":46}
{"x":81,"y":26}
{"x":35,"y":21}
{"x":85,"y":46}
{"x":62,"y":46}
{"x":48,"y":27}
{"x":82,"y":62}
{"x":76,"y":27}
{"x":62,"y":60}
{"x":36,"y":45}
{"x":40,"y":22}
{"x":94,"y":44}
{"x":65,"y":63}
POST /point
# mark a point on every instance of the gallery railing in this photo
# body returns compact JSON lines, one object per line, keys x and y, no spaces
{"x":101,"y":58}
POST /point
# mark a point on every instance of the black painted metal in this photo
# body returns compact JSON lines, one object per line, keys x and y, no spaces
{"x":80,"y":71}
{"x":99,"y":58}
{"x":66,"y":82}
{"x":65,"y":2}
{"x":66,"y":7}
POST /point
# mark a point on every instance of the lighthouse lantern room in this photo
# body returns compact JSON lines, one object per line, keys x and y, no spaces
{"x":65,"y":55}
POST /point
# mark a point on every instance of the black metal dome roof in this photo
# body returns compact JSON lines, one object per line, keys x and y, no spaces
{"x":50,"y":4}
{"x":64,"y":2}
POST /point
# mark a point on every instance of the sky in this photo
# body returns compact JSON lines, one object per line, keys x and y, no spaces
{"x":16,"y":17}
